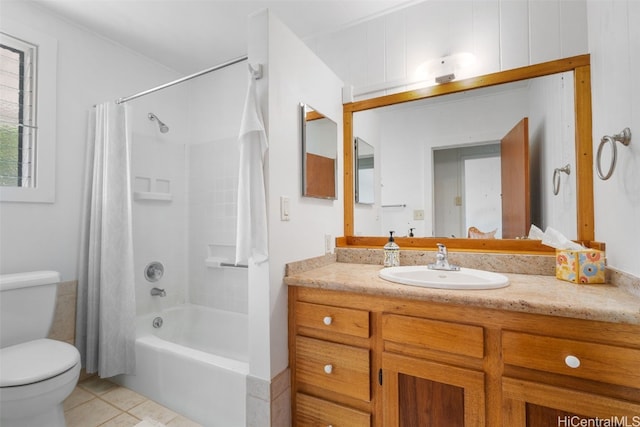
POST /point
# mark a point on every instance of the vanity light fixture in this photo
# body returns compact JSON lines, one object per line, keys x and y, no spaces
{"x":444,"y":70}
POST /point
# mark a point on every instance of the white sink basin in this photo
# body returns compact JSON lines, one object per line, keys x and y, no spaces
{"x":465,"y":278}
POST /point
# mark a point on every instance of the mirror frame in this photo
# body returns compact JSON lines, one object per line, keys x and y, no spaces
{"x":581,"y":68}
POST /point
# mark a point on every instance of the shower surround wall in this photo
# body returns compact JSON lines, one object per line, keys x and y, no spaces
{"x":158,"y":177}
{"x":216,"y":101}
{"x":185,"y":184}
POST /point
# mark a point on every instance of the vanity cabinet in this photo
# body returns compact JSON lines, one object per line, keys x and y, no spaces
{"x":379,"y":361}
{"x":560,"y":377}
{"x":331,"y":365}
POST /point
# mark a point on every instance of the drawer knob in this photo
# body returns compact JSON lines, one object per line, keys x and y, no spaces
{"x":328,"y":369}
{"x":327,"y":320}
{"x":572,"y":361}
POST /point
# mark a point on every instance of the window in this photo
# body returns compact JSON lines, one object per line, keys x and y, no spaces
{"x":27,"y":115}
{"x":17,"y":113}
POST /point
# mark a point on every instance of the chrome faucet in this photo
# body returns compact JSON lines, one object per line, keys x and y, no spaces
{"x":442,"y":260}
{"x":158,"y":292}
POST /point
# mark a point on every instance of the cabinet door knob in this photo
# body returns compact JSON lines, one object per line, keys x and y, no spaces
{"x":328,"y":369}
{"x":572,"y":361}
{"x":327,"y":320}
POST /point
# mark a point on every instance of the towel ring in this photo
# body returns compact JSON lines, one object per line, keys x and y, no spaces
{"x":556,"y":177}
{"x":623,"y":137}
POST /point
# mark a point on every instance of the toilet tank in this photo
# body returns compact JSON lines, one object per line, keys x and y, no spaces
{"x":27,"y":304}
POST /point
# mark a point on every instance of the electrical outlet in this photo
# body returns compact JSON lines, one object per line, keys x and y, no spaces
{"x":418,"y":214}
{"x":328,"y":246}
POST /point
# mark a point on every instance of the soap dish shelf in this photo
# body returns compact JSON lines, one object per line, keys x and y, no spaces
{"x":147,"y":195}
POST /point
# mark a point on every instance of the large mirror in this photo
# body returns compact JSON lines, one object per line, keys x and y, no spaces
{"x":445,"y":155}
{"x":319,"y":138}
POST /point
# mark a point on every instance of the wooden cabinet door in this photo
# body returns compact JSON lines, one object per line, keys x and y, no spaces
{"x":421,"y":393}
{"x":531,"y":404}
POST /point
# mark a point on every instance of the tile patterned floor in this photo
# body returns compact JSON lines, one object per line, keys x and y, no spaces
{"x":98,"y":402}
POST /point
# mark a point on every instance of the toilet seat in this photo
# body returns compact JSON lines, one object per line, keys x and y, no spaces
{"x":35,"y":361}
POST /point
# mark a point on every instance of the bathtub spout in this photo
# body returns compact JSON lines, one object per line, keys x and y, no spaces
{"x":158,"y":292}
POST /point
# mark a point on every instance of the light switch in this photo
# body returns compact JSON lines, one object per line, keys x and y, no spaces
{"x":284,"y":208}
{"x":418,"y":214}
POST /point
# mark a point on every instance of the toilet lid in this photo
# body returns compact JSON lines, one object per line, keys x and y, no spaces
{"x":35,"y":361}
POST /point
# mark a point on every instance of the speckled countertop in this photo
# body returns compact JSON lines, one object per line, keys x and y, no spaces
{"x":529,"y":293}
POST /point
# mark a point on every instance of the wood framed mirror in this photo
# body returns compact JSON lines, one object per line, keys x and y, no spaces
{"x":578,"y":66}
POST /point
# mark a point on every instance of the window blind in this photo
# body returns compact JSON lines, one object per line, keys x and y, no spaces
{"x":17,"y":113}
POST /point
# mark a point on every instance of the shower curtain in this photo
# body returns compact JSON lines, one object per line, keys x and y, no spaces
{"x":106,"y":309}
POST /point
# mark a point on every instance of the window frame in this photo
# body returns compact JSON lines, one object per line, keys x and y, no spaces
{"x":45,"y":83}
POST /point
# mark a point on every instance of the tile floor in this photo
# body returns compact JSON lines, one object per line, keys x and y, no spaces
{"x":98,"y":402}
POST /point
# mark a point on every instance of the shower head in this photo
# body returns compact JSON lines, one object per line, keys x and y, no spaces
{"x":163,"y":128}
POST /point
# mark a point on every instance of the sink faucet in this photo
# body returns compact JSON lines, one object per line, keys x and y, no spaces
{"x":158,"y":292}
{"x":442,"y":261}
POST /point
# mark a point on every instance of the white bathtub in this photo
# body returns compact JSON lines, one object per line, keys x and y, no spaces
{"x":195,"y":364}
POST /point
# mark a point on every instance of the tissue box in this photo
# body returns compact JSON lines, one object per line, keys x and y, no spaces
{"x":580,"y":266}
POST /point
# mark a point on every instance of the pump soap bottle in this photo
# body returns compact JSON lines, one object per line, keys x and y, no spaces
{"x":391,"y":252}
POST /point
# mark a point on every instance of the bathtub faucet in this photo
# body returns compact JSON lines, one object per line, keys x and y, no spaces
{"x":158,"y":292}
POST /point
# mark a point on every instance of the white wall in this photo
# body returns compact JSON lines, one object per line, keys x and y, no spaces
{"x":91,"y":69}
{"x":614,"y":42}
{"x":551,"y":146}
{"x":502,"y":34}
{"x":293,"y":75}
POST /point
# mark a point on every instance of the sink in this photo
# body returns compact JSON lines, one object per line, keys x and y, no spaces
{"x":465,"y":278}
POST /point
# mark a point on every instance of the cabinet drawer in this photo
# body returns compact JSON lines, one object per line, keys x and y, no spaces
{"x":312,"y":412}
{"x":337,"y":319}
{"x":605,"y":363}
{"x":466,"y":340}
{"x":336,"y":367}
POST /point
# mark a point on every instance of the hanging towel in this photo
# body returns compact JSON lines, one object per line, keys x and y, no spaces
{"x":251,"y":229}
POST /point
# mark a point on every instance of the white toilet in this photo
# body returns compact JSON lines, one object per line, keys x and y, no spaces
{"x":36,"y":374}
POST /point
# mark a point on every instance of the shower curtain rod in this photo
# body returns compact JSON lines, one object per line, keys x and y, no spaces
{"x":257,"y":74}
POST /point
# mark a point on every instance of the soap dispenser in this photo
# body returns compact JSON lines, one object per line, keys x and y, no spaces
{"x":391,"y":252}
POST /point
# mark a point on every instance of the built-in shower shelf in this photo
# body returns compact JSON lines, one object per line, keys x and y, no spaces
{"x":217,"y":262}
{"x":147,"y":195}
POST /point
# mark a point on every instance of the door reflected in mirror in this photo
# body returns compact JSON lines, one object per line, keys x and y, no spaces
{"x":364,"y":176}
{"x":467,"y":190}
{"x":319,"y":140}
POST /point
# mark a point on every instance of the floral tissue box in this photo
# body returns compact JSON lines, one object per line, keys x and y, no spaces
{"x":580,"y":266}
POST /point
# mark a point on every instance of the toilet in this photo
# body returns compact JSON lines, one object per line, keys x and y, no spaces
{"x":36,"y":373}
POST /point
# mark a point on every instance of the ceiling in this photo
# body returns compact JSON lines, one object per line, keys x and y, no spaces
{"x":191,"y":35}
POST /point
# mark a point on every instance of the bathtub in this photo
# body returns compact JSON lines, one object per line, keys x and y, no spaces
{"x":195,"y":364}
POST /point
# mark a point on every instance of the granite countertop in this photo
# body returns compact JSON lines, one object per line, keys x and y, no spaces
{"x":528,"y":293}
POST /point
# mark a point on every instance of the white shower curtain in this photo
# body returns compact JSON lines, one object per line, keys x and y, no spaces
{"x":105,"y":323}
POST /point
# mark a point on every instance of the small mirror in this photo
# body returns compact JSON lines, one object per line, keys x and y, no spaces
{"x":364,"y":172}
{"x":319,"y":154}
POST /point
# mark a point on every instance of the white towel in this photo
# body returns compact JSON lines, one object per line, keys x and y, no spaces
{"x":251,"y":230}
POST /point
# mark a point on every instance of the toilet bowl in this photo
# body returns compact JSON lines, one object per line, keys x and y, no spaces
{"x":36,"y":373}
